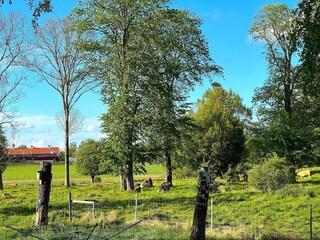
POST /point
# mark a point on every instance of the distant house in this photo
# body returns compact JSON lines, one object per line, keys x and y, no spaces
{"x":34,"y":154}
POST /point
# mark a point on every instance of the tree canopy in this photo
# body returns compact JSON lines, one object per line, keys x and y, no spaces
{"x":218,"y":140}
{"x":148,"y":57}
{"x":277,"y":101}
{"x":88,"y":158}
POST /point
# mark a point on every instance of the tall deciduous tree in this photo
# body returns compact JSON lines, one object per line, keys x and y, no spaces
{"x":3,"y":155}
{"x":309,"y":26}
{"x":58,"y":62}
{"x":277,"y":100}
{"x":220,"y":116}
{"x":12,"y":52}
{"x":115,"y":55}
{"x":177,"y":58}
{"x":154,"y":56}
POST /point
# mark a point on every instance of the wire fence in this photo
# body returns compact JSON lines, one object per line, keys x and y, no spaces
{"x":226,"y":217}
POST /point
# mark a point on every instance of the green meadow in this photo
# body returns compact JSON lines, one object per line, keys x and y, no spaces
{"x":240,"y":212}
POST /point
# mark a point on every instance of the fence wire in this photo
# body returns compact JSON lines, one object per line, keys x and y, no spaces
{"x":246,"y":217}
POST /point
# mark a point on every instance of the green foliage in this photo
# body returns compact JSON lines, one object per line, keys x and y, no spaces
{"x":72,"y":149}
{"x":283,"y":107}
{"x":97,"y":179}
{"x":309,"y":30}
{"x":120,"y":47}
{"x":62,"y":156}
{"x":219,"y":139}
{"x":185,"y":172}
{"x":3,"y":153}
{"x":88,"y":158}
{"x":154,"y":57}
{"x":22,"y":146}
{"x":274,"y":173}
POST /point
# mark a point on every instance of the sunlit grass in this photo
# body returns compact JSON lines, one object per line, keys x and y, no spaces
{"x":238,"y":213}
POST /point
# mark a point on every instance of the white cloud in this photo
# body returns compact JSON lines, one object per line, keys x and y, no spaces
{"x":91,"y":128}
{"x":41,"y":131}
{"x":39,"y":143}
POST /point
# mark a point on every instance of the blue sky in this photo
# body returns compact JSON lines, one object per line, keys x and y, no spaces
{"x":226,"y":25}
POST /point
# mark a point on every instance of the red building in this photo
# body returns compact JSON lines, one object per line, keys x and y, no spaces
{"x":34,"y":154}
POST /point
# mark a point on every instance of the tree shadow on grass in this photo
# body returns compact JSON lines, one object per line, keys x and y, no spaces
{"x":17,"y":210}
{"x":309,"y":181}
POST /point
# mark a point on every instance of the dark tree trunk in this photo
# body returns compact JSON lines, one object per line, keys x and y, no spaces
{"x":129,"y":175}
{"x":167,"y":159}
{"x":92,"y":179}
{"x":292,"y":176}
{"x":43,"y":195}
{"x":1,"y":181}
{"x":67,"y":175}
{"x":123,"y":182}
{"x":200,"y":211}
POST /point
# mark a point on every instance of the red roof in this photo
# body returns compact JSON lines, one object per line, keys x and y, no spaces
{"x":33,"y":151}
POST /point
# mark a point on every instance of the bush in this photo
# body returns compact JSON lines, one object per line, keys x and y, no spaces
{"x":273,"y":174}
{"x":185,"y":172}
{"x":97,"y":180}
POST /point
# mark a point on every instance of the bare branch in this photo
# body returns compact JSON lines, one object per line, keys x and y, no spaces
{"x":13,"y":51}
{"x":57,"y":61}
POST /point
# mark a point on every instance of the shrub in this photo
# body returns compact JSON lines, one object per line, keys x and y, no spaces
{"x":185,"y":172}
{"x":97,"y":179}
{"x":273,"y":174}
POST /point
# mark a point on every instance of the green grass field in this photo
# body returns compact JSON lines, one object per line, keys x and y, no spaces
{"x":240,"y":212}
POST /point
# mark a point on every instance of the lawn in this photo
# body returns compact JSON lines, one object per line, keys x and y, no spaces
{"x":241,"y":212}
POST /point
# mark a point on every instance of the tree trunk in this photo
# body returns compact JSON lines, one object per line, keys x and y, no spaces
{"x":129,"y":175}
{"x":123,"y":182}
{"x":200,"y":211}
{"x":167,"y":159}
{"x":45,"y":177}
{"x":292,"y":176}
{"x":92,"y":179}
{"x":66,"y":145}
{"x":1,"y":181}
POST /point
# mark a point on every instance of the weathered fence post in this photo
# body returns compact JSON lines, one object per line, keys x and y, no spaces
{"x":211,"y":225}
{"x":136,"y":209}
{"x":310,"y":219}
{"x":45,"y":176}
{"x":70,"y":206}
{"x":200,"y":211}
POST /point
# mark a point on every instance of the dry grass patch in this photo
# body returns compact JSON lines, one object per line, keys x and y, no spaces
{"x":227,"y":232}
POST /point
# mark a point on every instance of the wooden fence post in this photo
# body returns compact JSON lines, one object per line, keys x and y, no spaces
{"x":70,"y":206}
{"x":200,"y":211}
{"x":310,"y":220}
{"x":45,"y":176}
{"x":94,"y":210}
{"x":211,"y":213}
{"x":136,"y":209}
